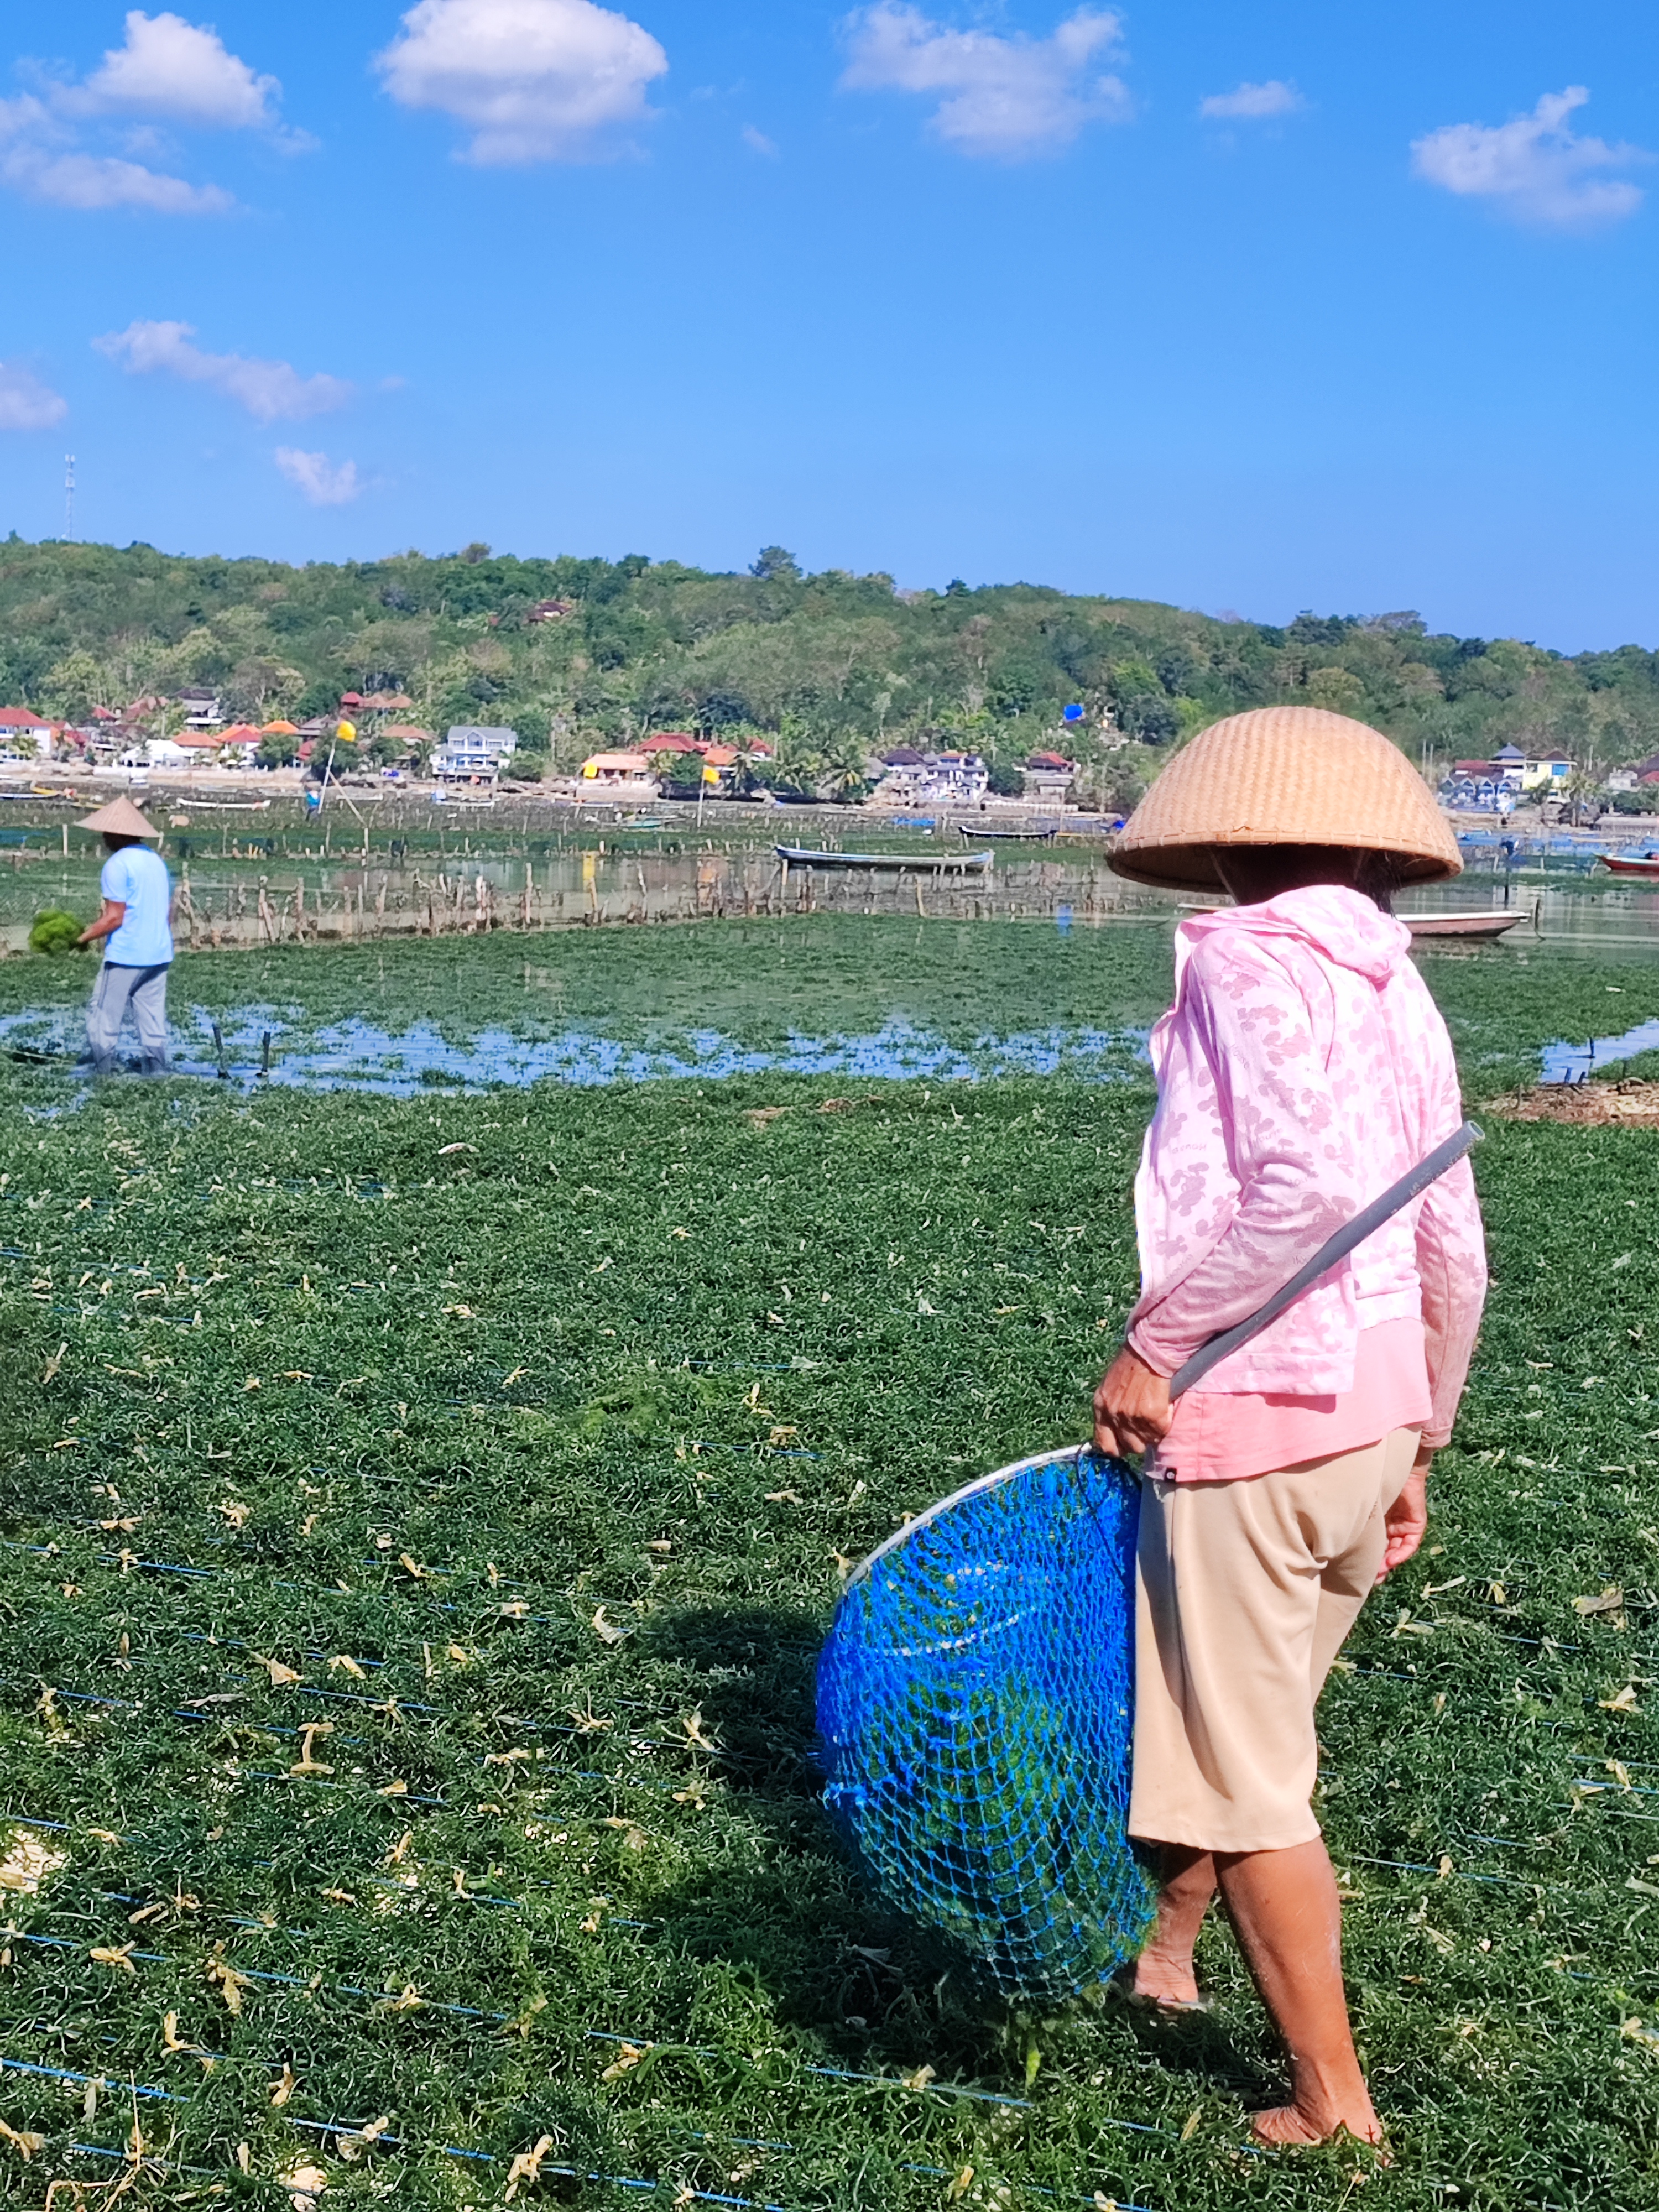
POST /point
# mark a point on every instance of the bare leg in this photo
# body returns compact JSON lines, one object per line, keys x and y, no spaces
{"x":1288,"y":1919}
{"x":1163,"y":1971}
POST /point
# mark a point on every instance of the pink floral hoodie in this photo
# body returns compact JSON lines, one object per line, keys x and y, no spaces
{"x":1302,"y":1069}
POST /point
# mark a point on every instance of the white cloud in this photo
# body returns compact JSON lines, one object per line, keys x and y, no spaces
{"x":1535,"y":168}
{"x":758,"y":143}
{"x":168,"y":72}
{"x":98,"y":180}
{"x":271,"y":391}
{"x":1007,"y":98}
{"x":1252,"y":103}
{"x":180,"y":72}
{"x":533,"y":80}
{"x":321,"y":481}
{"x":26,"y":403}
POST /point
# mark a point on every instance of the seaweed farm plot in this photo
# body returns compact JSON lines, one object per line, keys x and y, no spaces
{"x":358,"y":1055}
{"x":422,"y":1516}
{"x":822,"y":993}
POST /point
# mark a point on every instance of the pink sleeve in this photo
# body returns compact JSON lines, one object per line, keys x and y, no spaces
{"x":1451,"y":1260}
{"x":1285,"y":1145}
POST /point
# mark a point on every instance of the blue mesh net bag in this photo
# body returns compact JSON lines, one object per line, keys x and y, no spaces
{"x":975,"y":1704}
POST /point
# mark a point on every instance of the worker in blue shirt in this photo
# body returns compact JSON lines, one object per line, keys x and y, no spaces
{"x":136,"y":927}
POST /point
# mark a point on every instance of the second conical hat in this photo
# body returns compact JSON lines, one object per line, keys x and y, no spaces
{"x":121,"y":818}
{"x":1284,"y":776}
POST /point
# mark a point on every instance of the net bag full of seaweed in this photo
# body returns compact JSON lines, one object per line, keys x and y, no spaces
{"x":975,"y":1712}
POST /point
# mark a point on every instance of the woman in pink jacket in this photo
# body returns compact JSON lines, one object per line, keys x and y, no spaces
{"x":1302,"y":1069}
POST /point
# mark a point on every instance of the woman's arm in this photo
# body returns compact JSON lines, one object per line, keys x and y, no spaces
{"x":1286,"y":1150}
{"x":108,"y":922}
{"x":1451,"y":1266}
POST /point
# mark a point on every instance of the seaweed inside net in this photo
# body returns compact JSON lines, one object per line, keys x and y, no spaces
{"x":976,"y":1702}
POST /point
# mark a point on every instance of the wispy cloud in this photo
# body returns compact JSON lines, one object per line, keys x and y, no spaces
{"x":168,"y":71}
{"x":1005,"y":98}
{"x":93,"y":182}
{"x":758,"y":143}
{"x":271,"y":391}
{"x":323,"y":482}
{"x":1535,"y":168}
{"x":26,"y":403}
{"x":1252,"y":103}
{"x":533,"y":80}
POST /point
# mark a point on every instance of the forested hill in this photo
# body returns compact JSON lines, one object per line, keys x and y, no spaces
{"x":840,"y":662}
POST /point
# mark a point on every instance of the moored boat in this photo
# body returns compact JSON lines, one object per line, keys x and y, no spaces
{"x":1491,"y":924}
{"x":924,"y":863}
{"x":1635,"y":864}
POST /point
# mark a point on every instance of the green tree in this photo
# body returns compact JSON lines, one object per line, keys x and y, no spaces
{"x":775,"y":566}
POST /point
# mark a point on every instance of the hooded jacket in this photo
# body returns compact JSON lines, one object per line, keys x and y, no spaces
{"x":1302,"y":1068}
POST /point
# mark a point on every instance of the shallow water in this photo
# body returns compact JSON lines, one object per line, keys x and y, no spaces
{"x":358,"y":1055}
{"x":1571,"y":1063}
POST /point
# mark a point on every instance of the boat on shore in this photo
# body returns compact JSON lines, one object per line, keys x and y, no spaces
{"x":1641,"y":864}
{"x":927,"y":864}
{"x":1489,"y":925}
{"x":1008,"y":836}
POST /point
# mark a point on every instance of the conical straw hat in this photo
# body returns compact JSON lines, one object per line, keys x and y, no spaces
{"x":1284,"y":775}
{"x":121,"y":818}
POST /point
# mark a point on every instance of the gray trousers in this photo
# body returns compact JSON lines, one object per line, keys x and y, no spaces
{"x":145,"y":990}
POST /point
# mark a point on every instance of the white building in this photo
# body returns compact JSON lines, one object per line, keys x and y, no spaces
{"x":473,"y":749}
{"x":201,"y":710}
{"x":931,"y":779}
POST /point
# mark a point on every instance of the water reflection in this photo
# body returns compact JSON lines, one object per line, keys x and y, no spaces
{"x":1571,"y":1063}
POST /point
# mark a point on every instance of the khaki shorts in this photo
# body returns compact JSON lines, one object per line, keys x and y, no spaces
{"x":1246,"y":1591}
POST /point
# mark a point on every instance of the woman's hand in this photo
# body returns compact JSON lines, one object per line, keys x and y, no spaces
{"x":1132,"y":1407}
{"x":1407,"y":1519}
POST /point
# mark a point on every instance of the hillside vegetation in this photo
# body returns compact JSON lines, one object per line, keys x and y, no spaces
{"x":834,"y":662}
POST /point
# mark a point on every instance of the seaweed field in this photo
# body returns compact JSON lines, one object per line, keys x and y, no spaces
{"x":421,"y":1515}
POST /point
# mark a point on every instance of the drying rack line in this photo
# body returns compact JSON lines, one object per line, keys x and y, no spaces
{"x":351,"y":2131}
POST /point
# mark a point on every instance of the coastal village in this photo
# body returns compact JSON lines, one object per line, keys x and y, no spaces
{"x":372,"y":742}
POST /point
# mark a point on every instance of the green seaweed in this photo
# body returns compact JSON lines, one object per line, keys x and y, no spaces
{"x":565,"y":1403}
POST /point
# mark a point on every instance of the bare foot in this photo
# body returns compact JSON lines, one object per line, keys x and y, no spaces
{"x":1166,"y":1979}
{"x":1287,"y":2126}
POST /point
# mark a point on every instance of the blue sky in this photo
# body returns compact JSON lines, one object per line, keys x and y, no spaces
{"x":1249,"y":308}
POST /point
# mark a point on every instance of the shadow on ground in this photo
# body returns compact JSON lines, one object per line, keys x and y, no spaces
{"x":797,"y":1920}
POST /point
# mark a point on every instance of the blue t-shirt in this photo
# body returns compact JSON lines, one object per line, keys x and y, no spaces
{"x":138,"y":879}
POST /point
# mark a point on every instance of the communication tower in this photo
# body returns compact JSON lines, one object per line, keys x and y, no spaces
{"x":68,"y":496}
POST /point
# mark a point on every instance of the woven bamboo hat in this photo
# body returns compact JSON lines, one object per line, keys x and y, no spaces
{"x":121,"y":818}
{"x":1284,"y":776}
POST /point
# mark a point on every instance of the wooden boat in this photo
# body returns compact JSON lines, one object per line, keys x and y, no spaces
{"x":1635,"y":865}
{"x":952,"y":864}
{"x":1488,"y":924}
{"x":1008,"y":836}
